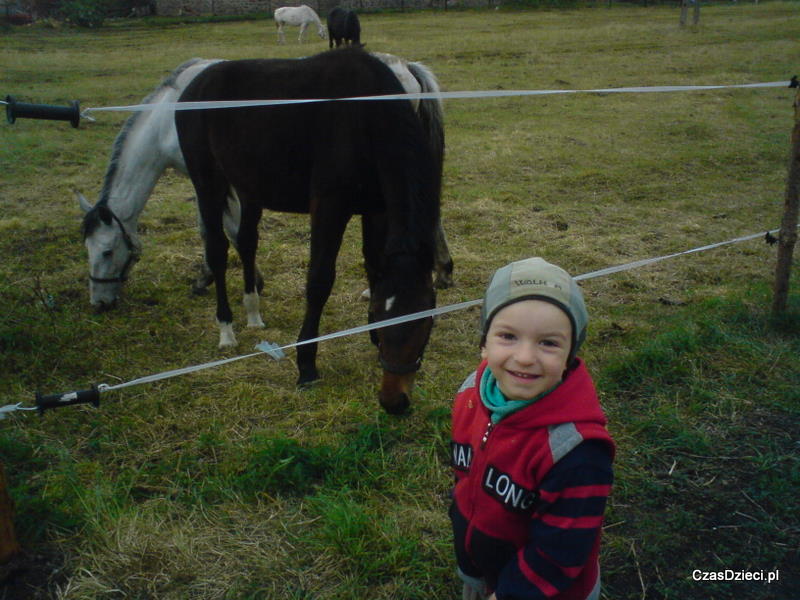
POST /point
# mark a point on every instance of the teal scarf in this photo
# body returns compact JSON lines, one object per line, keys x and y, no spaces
{"x":497,"y":403}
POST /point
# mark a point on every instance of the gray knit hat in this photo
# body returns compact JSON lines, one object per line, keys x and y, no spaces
{"x":536,"y":279}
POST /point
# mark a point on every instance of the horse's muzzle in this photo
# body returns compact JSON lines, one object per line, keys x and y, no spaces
{"x":395,"y":393}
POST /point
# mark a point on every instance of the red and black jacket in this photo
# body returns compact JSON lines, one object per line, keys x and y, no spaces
{"x":531,"y":490}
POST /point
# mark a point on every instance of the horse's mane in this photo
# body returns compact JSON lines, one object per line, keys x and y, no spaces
{"x":313,"y":14}
{"x":430,"y":111}
{"x":119,"y":143}
{"x":410,"y":245}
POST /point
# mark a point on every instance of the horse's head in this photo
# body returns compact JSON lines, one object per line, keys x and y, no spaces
{"x":112,"y":252}
{"x":400,"y":347}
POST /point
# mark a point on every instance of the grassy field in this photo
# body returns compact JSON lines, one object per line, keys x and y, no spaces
{"x":232,"y":484}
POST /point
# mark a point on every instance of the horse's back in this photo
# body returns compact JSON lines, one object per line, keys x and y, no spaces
{"x":284,"y":153}
{"x":295,"y":15}
{"x":349,"y":72}
{"x":352,"y":27}
{"x":336,"y":18}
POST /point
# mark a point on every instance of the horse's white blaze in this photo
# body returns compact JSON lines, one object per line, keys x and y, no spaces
{"x":227,"y":338}
{"x":251,"y":305}
{"x":390,"y":303}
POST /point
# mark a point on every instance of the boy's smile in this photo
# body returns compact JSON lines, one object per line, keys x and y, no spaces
{"x":527,"y":347}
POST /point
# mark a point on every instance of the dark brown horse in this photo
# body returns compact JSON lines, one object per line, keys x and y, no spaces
{"x":343,"y":28}
{"x":332,"y":160}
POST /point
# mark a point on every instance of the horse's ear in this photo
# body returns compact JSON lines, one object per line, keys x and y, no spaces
{"x":104,"y":213}
{"x":85,"y":204}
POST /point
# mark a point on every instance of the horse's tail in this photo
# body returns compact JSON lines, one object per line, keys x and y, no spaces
{"x":430,"y":111}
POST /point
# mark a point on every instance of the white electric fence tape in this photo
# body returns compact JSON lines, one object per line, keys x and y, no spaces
{"x":423,"y":96}
{"x":277,"y":351}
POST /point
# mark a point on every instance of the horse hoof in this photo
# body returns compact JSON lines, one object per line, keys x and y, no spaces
{"x":255,"y":322}
{"x":227,"y":339}
{"x":398,"y":406}
{"x":102,"y":307}
{"x":307,"y":380}
{"x":307,"y":385}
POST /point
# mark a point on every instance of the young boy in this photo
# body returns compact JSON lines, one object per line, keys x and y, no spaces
{"x":531,"y":454}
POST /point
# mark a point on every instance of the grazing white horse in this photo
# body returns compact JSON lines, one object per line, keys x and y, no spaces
{"x":297,"y":15}
{"x":147,"y":145}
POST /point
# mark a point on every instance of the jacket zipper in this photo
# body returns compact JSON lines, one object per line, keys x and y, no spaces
{"x":485,"y":438}
{"x":476,"y":489}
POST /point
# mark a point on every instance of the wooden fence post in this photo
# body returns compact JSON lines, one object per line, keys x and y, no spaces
{"x":788,"y":234}
{"x":8,"y":541}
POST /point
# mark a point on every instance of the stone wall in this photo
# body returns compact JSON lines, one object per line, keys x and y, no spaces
{"x":212,"y":7}
{"x":240,"y":7}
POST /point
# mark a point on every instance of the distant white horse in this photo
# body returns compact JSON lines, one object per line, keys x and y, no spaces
{"x":297,"y":15}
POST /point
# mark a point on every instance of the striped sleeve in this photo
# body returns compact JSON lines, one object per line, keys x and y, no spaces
{"x":564,"y":528}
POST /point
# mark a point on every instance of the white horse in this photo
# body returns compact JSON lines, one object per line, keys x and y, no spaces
{"x":147,"y":145}
{"x":297,"y":15}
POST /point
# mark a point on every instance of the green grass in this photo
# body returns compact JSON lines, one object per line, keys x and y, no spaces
{"x":232,"y":484}
{"x":710,"y":407}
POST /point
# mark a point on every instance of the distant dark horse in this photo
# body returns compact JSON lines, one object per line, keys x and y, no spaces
{"x":343,"y":28}
{"x":331,"y":160}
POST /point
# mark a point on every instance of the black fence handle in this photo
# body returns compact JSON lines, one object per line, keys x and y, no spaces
{"x":91,"y":396}
{"x":18,"y":110}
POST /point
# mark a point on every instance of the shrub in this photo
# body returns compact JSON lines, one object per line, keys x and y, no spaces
{"x":84,"y":13}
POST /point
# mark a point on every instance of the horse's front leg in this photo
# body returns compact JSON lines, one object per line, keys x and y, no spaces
{"x":206,"y":277}
{"x":326,"y":239}
{"x":303,"y":27}
{"x":373,"y":237}
{"x":217,"y":260}
{"x":443,"y":262}
{"x":246,"y":245}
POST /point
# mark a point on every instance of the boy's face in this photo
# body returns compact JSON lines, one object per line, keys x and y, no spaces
{"x":527,"y":347}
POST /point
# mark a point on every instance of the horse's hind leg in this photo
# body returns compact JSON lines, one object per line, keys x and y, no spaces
{"x":326,"y":239}
{"x":230,"y":221}
{"x":443,"y":262}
